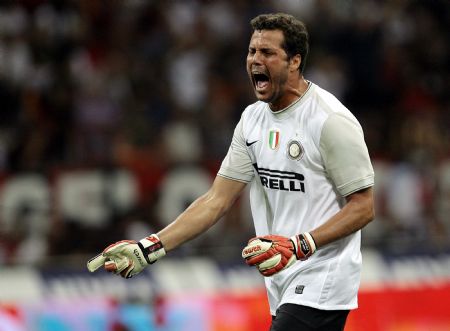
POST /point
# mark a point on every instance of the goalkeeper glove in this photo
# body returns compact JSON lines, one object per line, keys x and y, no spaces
{"x":128,"y":257}
{"x":271,"y":254}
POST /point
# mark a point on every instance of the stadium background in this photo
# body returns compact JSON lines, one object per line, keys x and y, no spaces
{"x":114,"y":115}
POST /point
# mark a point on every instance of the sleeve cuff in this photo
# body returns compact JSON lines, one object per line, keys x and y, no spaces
{"x":356,"y":185}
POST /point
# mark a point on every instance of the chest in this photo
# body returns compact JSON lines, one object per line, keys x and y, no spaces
{"x":282,"y":145}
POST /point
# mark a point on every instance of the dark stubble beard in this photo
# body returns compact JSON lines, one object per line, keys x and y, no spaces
{"x":277,"y":93}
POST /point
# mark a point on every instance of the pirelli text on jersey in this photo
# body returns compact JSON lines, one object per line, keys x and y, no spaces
{"x":281,"y":180}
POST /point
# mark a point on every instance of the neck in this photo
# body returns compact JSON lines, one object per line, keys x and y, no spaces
{"x":292,"y":93}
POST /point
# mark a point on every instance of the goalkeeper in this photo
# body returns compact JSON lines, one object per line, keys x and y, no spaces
{"x":304,"y":155}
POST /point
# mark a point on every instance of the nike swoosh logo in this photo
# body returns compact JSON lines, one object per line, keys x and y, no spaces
{"x":249,"y":144}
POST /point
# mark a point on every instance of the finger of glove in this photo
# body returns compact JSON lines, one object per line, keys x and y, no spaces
{"x":251,"y":239}
{"x":118,"y":264}
{"x":271,"y":238}
{"x":288,"y":244}
{"x":96,"y":262}
{"x":110,"y":266}
{"x":273,"y":270}
{"x":117,"y":247}
{"x":284,"y":251}
{"x":277,"y":260}
{"x":270,"y":272}
{"x":256,"y":248}
{"x":283,"y":264}
{"x":283,"y":261}
{"x":261,"y":257}
{"x":274,"y":238}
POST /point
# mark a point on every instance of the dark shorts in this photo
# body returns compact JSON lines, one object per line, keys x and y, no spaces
{"x":292,"y":317}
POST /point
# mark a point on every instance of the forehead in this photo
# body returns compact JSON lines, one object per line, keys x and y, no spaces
{"x":267,"y":39}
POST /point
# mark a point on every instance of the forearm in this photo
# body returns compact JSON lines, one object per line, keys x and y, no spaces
{"x":356,"y":214}
{"x":196,"y":219}
{"x":202,"y":213}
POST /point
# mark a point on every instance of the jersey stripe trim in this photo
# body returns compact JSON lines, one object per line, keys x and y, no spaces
{"x":234,"y":178}
{"x":278,"y":173}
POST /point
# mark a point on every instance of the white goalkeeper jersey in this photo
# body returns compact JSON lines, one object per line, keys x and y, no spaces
{"x":302,"y":162}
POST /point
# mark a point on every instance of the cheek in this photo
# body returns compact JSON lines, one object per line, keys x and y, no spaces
{"x":280,"y":75}
{"x":248,"y":67}
{"x":248,"y":62}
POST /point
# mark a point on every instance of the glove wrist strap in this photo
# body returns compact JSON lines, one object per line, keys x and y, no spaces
{"x":152,"y":248}
{"x":304,"y":245}
{"x":311,"y":241}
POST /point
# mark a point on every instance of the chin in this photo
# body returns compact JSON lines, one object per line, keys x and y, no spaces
{"x":262,"y":97}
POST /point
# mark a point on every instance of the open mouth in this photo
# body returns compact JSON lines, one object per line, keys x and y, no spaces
{"x":261,"y":80}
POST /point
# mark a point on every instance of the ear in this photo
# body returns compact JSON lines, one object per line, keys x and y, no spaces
{"x":294,"y":62}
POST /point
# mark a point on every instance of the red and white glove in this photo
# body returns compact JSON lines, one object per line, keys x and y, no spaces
{"x":128,"y":257}
{"x":271,"y":254}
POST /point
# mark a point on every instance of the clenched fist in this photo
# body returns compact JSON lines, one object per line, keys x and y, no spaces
{"x":272,"y":253}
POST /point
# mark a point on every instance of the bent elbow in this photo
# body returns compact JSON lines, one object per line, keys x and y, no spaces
{"x":364,"y":205}
{"x":369,"y":214}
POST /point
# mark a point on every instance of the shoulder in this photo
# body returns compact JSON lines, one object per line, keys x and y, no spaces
{"x":328,"y":105}
{"x":253,"y":109}
{"x":253,"y":113}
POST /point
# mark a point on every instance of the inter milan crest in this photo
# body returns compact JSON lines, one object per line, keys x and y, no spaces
{"x":294,"y":150}
{"x":274,"y":138}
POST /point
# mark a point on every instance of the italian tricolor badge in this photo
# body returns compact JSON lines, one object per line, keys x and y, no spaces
{"x":274,"y":138}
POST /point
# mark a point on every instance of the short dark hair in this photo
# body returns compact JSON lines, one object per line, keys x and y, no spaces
{"x":296,"y":39}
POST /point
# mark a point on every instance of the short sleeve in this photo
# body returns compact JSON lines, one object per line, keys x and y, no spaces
{"x":237,"y":164}
{"x":345,"y":154}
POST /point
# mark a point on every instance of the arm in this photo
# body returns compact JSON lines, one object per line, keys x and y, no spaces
{"x":128,"y":257}
{"x":272,"y":253}
{"x":202,"y":213}
{"x":356,"y":214}
{"x":347,"y":162}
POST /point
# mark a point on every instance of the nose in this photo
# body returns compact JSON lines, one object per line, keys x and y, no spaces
{"x":255,"y":58}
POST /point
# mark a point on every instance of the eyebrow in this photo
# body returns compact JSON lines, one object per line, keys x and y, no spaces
{"x":262,"y":49}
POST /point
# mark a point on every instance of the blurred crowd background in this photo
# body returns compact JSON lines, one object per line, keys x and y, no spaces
{"x":115,"y":115}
